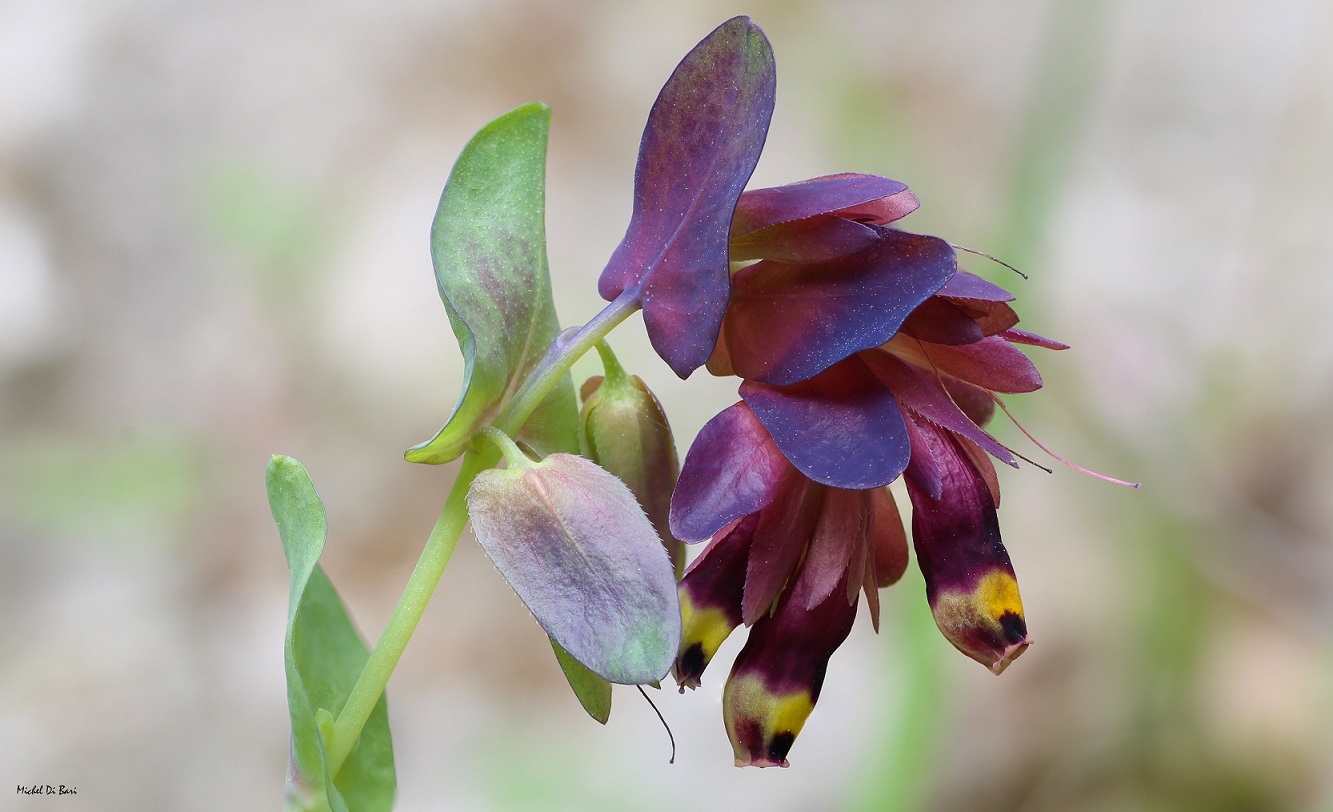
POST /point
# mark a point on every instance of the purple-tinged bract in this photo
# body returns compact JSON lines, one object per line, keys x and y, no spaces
{"x":575,"y":545}
{"x":702,"y":141}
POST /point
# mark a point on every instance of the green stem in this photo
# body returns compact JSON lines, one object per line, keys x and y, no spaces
{"x":514,"y":457}
{"x":444,"y":537}
{"x":612,"y":371}
{"x":439,"y":547}
{"x":562,"y":355}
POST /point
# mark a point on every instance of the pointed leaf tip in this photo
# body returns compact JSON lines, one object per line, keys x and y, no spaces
{"x":593,"y":692}
{"x":324,"y":655}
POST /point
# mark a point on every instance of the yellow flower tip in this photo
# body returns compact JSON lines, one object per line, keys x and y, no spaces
{"x":762,"y":724}
{"x":703,"y":631}
{"x":987,"y":623}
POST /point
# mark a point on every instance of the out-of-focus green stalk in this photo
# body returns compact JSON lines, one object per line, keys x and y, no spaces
{"x":1068,"y":73}
{"x":900,"y":765}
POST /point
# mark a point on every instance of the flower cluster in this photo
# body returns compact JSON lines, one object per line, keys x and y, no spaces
{"x":865,"y":355}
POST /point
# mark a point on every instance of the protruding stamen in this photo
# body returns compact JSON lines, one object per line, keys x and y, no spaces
{"x":1057,"y":457}
{"x":988,"y":256}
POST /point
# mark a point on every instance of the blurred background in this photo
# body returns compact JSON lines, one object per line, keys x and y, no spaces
{"x":213,"y":248}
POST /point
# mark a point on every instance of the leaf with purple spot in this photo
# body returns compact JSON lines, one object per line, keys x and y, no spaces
{"x":488,"y":243}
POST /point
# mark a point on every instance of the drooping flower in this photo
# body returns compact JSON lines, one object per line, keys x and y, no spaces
{"x":789,"y":482}
{"x":790,"y":569}
{"x":943,"y":394}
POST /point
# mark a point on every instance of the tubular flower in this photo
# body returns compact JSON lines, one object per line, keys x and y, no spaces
{"x":865,"y":356}
{"x":790,"y":568}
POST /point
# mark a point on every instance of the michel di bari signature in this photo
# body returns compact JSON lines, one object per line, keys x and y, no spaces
{"x":47,"y":789}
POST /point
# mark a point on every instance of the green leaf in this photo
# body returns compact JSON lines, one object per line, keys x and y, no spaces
{"x":574,"y":544}
{"x":324,"y":656}
{"x":489,"y":247}
{"x":593,"y":692}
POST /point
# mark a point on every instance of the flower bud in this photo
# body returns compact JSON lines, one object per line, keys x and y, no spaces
{"x":623,"y":429}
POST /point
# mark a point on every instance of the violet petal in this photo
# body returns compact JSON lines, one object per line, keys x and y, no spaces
{"x":787,"y":323}
{"x":842,"y":427}
{"x":732,"y":469}
{"x":703,"y":138}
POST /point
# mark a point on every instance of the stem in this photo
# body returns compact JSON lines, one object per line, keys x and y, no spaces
{"x":612,"y":371}
{"x":439,"y":547}
{"x":443,"y":539}
{"x":560,"y":357}
{"x":514,"y":457}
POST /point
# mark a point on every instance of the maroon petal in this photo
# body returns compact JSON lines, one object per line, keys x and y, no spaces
{"x":862,"y":564}
{"x":837,"y":551}
{"x":702,"y":141}
{"x":732,"y":469}
{"x":761,"y":208}
{"x":781,"y":537}
{"x":842,"y":427}
{"x":976,"y":403}
{"x":883,"y":211}
{"x":991,"y":318}
{"x":981,"y":461}
{"x":991,"y":363}
{"x":777,"y":677}
{"x":890,"y":539}
{"x":925,"y":396}
{"x":710,"y":599}
{"x":1024,"y":337}
{"x":871,"y":589}
{"x":964,"y":285}
{"x":815,"y":239}
{"x":970,"y":581}
{"x":921,"y":468}
{"x":940,"y":321}
{"x":788,"y":322}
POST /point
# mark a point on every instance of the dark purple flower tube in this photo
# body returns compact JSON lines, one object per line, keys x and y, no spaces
{"x":710,"y":599}
{"x":970,"y":581}
{"x":777,"y":677}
